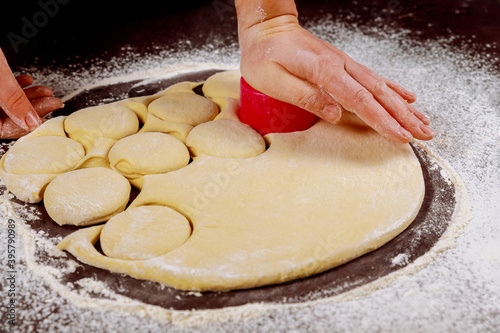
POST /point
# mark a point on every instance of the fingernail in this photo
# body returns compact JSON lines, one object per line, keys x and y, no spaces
{"x":32,"y":120}
{"x":332,"y":113}
{"x":426,"y":120}
{"x":405,"y":134}
{"x":427,"y":131}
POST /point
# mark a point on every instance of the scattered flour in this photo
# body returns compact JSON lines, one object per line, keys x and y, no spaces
{"x":400,"y":259}
{"x":453,"y":289}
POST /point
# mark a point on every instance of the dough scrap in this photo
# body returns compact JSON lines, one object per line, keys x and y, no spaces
{"x":155,"y":124}
{"x":144,"y":233}
{"x":184,"y":107}
{"x":86,"y":196}
{"x":225,"y":138}
{"x":229,"y":108}
{"x":97,"y":156}
{"x":148,"y":153}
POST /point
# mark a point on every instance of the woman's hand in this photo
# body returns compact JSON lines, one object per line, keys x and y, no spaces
{"x":286,"y":62}
{"x":21,"y":109}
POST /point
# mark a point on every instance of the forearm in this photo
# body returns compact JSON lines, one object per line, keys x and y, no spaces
{"x":252,"y":12}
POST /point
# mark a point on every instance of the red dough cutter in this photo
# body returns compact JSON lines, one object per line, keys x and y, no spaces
{"x":268,"y":115}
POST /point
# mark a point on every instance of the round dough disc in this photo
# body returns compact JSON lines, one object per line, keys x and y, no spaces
{"x":86,"y":196}
{"x":223,"y":84}
{"x":183,"y":107}
{"x":112,"y":121}
{"x":43,"y":155}
{"x":225,"y":138}
{"x":148,"y":153}
{"x":144,"y":232}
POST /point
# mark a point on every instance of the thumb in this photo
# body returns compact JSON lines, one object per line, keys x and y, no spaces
{"x":288,"y":88}
{"x":13,"y":100}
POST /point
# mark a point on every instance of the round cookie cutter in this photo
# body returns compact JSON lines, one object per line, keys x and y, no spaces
{"x":268,"y":115}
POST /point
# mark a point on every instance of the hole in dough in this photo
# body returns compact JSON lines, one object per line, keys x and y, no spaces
{"x":144,"y":232}
{"x":148,"y":153}
{"x":43,"y":155}
{"x":225,"y":138}
{"x":183,"y":107}
{"x":86,"y":196}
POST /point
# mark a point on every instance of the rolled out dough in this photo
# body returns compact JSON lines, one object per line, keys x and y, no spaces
{"x":313,"y":200}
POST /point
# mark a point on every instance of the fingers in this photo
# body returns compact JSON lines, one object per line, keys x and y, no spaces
{"x":405,"y":94}
{"x":355,"y":98}
{"x":9,"y":130}
{"x":313,"y":99}
{"x":46,"y":105}
{"x":409,"y":118}
{"x":43,"y":106}
{"x":24,"y":80}
{"x":13,"y":100}
{"x":41,"y":97}
{"x":425,"y":119}
{"x":288,"y":88}
{"x":38,"y":92}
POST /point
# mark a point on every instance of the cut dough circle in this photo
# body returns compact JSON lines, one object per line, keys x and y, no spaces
{"x":223,"y":84}
{"x":144,"y":232}
{"x":43,"y":155}
{"x":225,"y":138}
{"x":112,"y":121}
{"x":86,"y":196}
{"x":148,"y":153}
{"x":184,"y":107}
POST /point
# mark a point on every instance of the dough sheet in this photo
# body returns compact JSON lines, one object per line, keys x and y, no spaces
{"x":220,"y":207}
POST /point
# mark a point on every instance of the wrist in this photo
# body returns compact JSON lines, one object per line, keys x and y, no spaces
{"x":253,"y":12}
